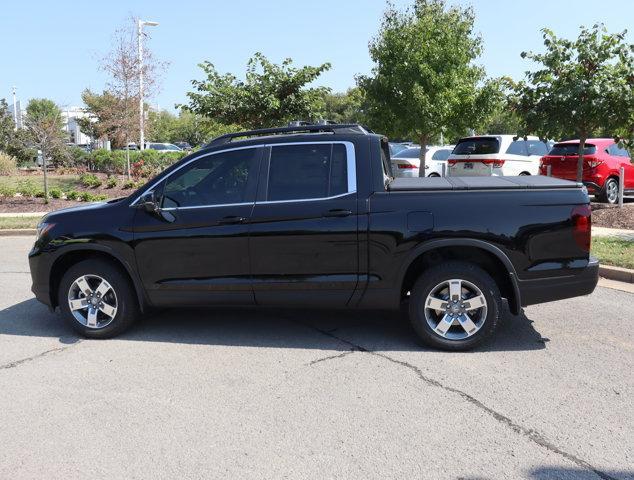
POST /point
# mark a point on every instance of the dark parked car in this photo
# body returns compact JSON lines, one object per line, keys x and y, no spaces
{"x":311,"y":216}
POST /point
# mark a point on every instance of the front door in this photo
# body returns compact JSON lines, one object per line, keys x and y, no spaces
{"x":202,"y":256}
{"x":303,"y":235}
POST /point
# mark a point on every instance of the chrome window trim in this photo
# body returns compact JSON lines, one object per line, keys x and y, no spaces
{"x":350,"y":164}
{"x":149,"y":189}
{"x":266,"y":202}
{"x":216,"y":205}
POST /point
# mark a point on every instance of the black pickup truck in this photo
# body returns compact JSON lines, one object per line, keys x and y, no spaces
{"x":311,"y":216}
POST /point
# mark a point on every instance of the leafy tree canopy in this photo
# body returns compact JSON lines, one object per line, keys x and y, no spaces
{"x":424,"y":80}
{"x":270,"y":95}
{"x":583,"y":87}
{"x":348,"y":107}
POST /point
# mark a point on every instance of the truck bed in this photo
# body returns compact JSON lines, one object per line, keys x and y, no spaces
{"x":480,"y":183}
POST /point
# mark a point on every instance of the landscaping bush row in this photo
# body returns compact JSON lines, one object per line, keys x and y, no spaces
{"x":146,"y":163}
{"x":28,"y":188}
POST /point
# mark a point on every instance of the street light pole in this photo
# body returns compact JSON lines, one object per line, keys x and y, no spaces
{"x":15,"y":111}
{"x":141,"y":23}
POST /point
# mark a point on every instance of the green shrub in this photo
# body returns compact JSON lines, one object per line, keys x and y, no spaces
{"x":129,"y":184}
{"x":86,"y":197}
{"x":72,"y":195}
{"x":8,"y":164}
{"x":27,"y":188}
{"x":7,"y":191}
{"x":90,"y":180}
{"x":55,"y":193}
{"x":111,"y":182}
{"x":39,"y":194}
{"x":115,"y":161}
{"x":100,"y":197}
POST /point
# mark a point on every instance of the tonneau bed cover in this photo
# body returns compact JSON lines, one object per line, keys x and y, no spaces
{"x":479,"y":183}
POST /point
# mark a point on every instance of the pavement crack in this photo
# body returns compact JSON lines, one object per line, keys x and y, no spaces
{"x":330,"y":357}
{"x":531,"y":434}
{"x":22,"y":361}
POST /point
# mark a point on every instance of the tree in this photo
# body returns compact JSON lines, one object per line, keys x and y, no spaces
{"x":118,"y":107}
{"x":186,"y":127}
{"x":424,"y":82}
{"x":12,"y":141}
{"x":345,"y":107}
{"x":270,"y":95}
{"x":44,"y":124}
{"x":584,"y":86}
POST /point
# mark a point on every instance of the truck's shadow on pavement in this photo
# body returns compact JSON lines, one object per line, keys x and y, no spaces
{"x":274,"y":328}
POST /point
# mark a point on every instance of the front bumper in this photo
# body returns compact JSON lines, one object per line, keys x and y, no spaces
{"x":549,"y":289}
{"x":40,"y":270}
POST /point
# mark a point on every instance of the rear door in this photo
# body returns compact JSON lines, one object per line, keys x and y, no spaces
{"x":303,"y":234}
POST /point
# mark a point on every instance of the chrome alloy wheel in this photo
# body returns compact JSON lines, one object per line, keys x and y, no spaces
{"x":612,"y":191}
{"x":455,"y":309}
{"x":92,"y":301}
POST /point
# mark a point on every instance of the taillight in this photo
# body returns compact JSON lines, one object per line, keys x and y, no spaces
{"x":452,"y":163}
{"x":593,"y":162}
{"x":495,"y":162}
{"x":406,"y":165}
{"x":582,"y":225}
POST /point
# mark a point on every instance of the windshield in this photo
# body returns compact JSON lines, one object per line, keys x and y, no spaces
{"x":408,"y":153}
{"x":564,"y":149}
{"x":477,"y":146}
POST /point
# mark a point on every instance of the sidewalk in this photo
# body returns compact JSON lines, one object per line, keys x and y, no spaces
{"x":613,"y":233}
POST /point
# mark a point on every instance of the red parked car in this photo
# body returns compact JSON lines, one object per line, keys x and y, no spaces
{"x":603,"y":160}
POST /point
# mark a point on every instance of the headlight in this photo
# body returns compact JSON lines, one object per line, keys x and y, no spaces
{"x":42,"y":228}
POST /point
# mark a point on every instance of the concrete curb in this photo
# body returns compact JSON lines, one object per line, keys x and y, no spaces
{"x":616,"y":273}
{"x":18,"y":232}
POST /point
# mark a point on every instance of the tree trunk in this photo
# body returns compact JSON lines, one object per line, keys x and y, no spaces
{"x":582,"y":146}
{"x":45,"y":168}
{"x":423,"y":139}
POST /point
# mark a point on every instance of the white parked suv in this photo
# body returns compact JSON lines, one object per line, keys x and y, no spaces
{"x":406,"y":163}
{"x":501,"y":155}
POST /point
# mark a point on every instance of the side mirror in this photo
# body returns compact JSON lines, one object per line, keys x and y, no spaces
{"x":151,"y":204}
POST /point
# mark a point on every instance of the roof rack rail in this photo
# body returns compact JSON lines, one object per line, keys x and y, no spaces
{"x":310,"y":128}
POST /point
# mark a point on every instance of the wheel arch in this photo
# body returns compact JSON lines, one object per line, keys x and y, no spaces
{"x":493,"y":260}
{"x":70,"y":257}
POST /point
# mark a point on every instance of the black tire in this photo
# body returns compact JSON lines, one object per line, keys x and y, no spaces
{"x":433,"y":175}
{"x":525,"y":174}
{"x":610,"y":183}
{"x":126,"y":302}
{"x":436,"y":275}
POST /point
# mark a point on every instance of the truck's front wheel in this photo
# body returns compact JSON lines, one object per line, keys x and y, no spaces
{"x":454,"y":306}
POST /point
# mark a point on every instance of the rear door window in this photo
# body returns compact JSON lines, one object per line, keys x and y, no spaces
{"x":477,"y":146}
{"x":308,"y":171}
{"x":537,"y":147}
{"x":518,"y":147}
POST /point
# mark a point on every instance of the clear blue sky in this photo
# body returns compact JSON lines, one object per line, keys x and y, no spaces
{"x":51,"y":48}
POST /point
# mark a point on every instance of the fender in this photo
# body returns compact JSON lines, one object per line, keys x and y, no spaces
{"x":514,"y":303}
{"x":90,"y":246}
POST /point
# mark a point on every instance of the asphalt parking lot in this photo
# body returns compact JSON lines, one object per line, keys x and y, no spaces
{"x":295,"y":394}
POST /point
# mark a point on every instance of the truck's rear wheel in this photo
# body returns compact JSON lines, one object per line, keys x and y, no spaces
{"x":454,"y":306}
{"x":97,"y":299}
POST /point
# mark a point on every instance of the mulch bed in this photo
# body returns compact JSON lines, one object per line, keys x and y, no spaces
{"x":21,"y":204}
{"x":613,"y":217}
